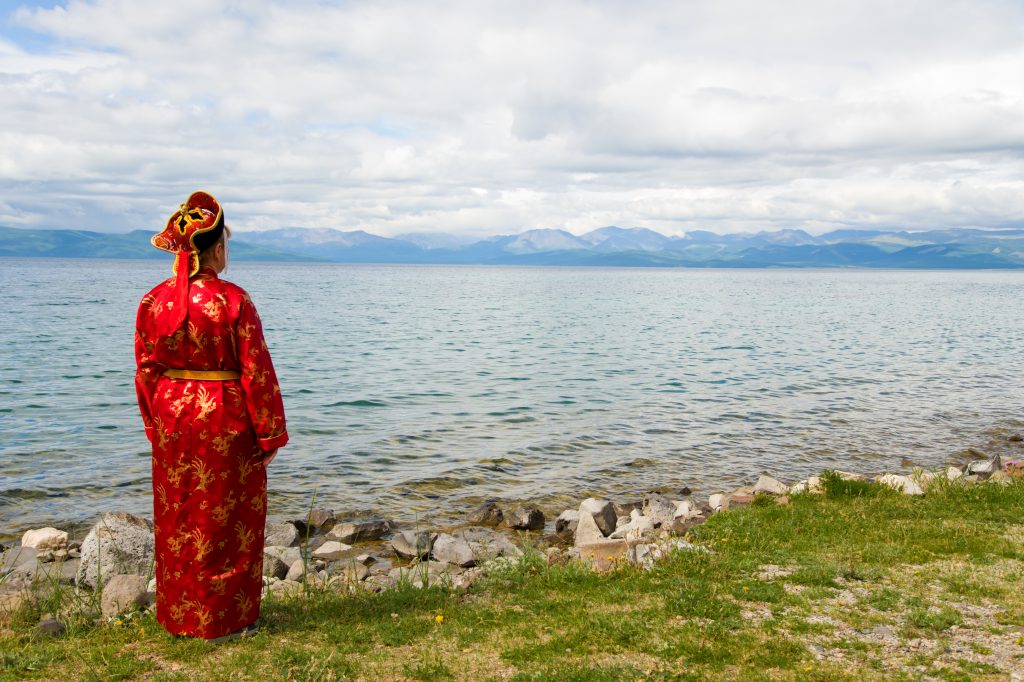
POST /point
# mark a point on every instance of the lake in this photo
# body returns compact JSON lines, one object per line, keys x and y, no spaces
{"x":418,"y":391}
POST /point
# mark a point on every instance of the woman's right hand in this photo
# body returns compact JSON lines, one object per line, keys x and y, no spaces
{"x":268,"y":457}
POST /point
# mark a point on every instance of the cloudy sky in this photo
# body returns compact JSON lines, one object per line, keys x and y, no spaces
{"x":487,"y":117}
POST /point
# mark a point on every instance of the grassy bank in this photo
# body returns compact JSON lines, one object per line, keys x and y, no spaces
{"x":861,"y":583}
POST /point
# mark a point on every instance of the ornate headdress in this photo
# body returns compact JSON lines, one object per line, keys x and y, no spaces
{"x":199,"y":215}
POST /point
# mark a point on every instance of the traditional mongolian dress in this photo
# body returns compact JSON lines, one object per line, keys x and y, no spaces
{"x":212,"y":408}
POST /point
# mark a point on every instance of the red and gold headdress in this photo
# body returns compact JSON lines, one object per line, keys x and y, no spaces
{"x":199,"y":214}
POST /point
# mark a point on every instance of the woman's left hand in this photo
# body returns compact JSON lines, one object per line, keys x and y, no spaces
{"x":268,"y":457}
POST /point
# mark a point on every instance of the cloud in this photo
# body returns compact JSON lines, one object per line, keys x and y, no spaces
{"x":484,"y":118}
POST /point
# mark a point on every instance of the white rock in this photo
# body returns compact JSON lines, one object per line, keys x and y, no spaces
{"x":953,"y":473}
{"x":768,"y":485}
{"x":686,"y":509}
{"x":903,"y":484}
{"x":45,"y":538}
{"x":603,"y":512}
{"x":587,"y":532}
{"x":718,"y":502}
{"x":659,"y":509}
{"x":409,"y":544}
{"x":331,"y":550}
{"x":640,"y":527}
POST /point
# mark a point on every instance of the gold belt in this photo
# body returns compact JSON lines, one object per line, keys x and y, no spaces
{"x":203,"y":374}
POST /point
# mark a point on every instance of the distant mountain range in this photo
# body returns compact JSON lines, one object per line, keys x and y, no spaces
{"x":607,"y":246}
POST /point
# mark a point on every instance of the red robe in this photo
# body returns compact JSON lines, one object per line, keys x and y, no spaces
{"x":208,"y":437}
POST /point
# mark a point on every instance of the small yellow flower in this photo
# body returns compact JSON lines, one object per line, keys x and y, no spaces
{"x":746,"y":589}
{"x":439,"y":618}
{"x":118,"y":622}
{"x":807,"y":669}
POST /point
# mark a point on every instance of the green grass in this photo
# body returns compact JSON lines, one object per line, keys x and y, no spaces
{"x":862,"y":565}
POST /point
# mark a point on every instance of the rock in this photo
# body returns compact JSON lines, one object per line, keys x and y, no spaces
{"x":685,"y":509}
{"x":769,"y":486}
{"x":487,"y":543}
{"x":289,"y":555}
{"x":983,"y":469}
{"x":567,"y":522}
{"x":903,"y":484}
{"x":356,"y":531}
{"x":366,"y":559}
{"x":659,"y":509}
{"x":782,"y":501}
{"x":45,"y":538}
{"x":151,"y":586}
{"x":953,"y":473}
{"x":718,"y":502}
{"x":463,"y":581}
{"x":286,"y":588}
{"x":354,"y":572}
{"x":296,"y":572}
{"x":487,"y":514}
{"x":120,"y":543}
{"x":602,"y":511}
{"x":409,"y":544}
{"x":50,"y":627}
{"x":123,"y":592}
{"x":281,"y":534}
{"x":331,"y":551}
{"x":19,"y":561}
{"x":604,"y":554}
{"x":587,"y":531}
{"x":452,"y":550}
{"x":681,"y":525}
{"x":316,"y":520}
{"x":274,"y":567}
{"x":740,"y":500}
{"x":623,"y":509}
{"x":641,"y":527}
{"x":640,"y":554}
{"x":525,"y":518}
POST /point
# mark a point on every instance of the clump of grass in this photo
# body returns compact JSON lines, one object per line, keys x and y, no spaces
{"x":836,"y":487}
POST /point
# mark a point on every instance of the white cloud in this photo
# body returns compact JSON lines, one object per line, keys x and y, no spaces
{"x":495,"y":117}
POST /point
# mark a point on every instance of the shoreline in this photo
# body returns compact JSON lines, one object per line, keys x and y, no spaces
{"x":1001,"y":440}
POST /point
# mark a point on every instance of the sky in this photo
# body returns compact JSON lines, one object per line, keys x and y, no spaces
{"x":482,"y":118}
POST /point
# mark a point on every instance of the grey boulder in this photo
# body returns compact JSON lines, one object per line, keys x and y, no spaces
{"x":124,"y":592}
{"x":603,"y":512}
{"x":487,"y":514}
{"x":119,"y":544}
{"x":355,"y":531}
{"x":453,"y":550}
{"x":281,"y":534}
{"x":409,"y":544}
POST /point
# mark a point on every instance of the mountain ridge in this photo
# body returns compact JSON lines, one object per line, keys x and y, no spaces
{"x":947,"y":248}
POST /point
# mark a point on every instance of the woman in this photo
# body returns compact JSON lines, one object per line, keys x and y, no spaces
{"x":212,"y":409}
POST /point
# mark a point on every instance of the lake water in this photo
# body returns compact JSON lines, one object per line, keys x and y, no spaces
{"x":418,"y":391}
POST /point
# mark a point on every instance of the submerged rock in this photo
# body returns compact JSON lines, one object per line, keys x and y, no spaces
{"x":525,"y":518}
{"x":487,"y":514}
{"x":356,"y":531}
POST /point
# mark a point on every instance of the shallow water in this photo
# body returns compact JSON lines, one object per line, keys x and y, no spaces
{"x":417,"y":391}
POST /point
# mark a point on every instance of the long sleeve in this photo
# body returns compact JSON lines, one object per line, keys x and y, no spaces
{"x":259,"y":381}
{"x":147,"y":372}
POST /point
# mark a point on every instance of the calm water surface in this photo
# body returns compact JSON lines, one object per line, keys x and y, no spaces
{"x":417,"y":391}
